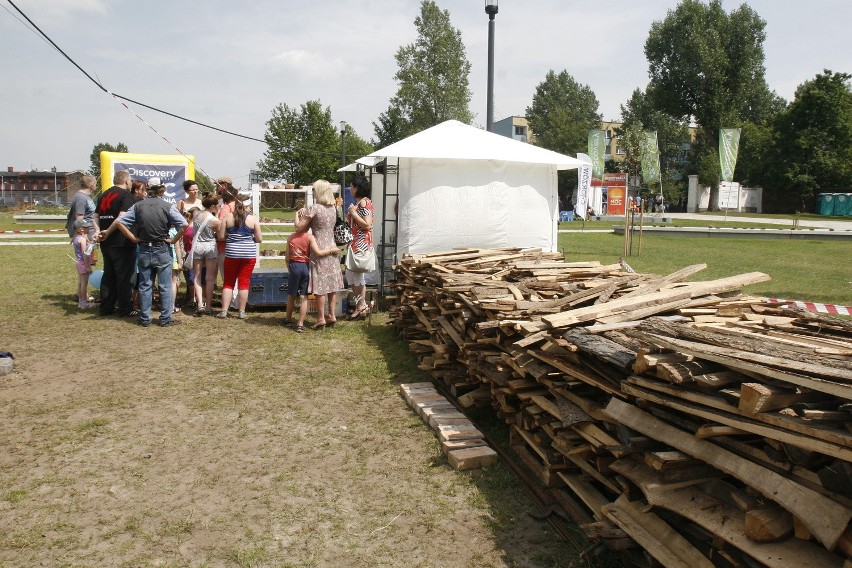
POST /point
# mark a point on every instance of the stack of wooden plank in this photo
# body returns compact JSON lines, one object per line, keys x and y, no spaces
{"x":708,"y":426}
{"x":461,"y":442}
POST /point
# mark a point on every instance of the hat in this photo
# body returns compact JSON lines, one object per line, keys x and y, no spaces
{"x":154,"y":182}
{"x":82,"y":224}
{"x":224,"y":180}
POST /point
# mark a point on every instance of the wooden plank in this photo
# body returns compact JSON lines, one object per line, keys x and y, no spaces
{"x":656,"y":536}
{"x":826,"y":519}
{"x":579,"y":315}
{"x":470,"y":458}
{"x":769,"y":524}
{"x":587,"y":492}
{"x":758,"y":397}
{"x":726,"y":522}
{"x":719,"y":355}
{"x":829,"y":441}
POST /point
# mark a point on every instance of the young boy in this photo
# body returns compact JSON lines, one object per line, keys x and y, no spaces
{"x":83,"y":258}
{"x":299,"y":247}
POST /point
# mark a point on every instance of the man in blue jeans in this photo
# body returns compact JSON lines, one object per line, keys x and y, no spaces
{"x":150,"y":220}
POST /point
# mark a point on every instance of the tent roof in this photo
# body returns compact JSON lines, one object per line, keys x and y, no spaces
{"x":365,"y":161}
{"x":453,"y":140}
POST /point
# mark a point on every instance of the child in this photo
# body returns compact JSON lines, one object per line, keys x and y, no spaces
{"x":299,"y":246}
{"x":83,"y":258}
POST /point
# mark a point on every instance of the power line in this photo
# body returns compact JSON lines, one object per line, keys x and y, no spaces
{"x":44,"y":36}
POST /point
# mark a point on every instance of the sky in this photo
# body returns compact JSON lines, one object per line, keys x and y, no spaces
{"x":229,"y":64}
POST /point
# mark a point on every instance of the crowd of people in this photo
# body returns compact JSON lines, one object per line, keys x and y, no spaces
{"x":143,"y":238}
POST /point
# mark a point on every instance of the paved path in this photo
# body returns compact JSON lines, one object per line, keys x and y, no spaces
{"x":828,"y":223}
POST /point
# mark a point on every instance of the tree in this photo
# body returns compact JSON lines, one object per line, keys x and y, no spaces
{"x":562,"y":113}
{"x":707,"y":65}
{"x":356,"y":146}
{"x":814,"y":140}
{"x":560,"y":117}
{"x":638,"y":115}
{"x":95,"y":158}
{"x":302,"y":144}
{"x":432,"y":79}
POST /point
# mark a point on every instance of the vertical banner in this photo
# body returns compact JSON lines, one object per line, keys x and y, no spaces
{"x":584,"y":185}
{"x":597,"y":148}
{"x":650,"y":154}
{"x":729,"y":145}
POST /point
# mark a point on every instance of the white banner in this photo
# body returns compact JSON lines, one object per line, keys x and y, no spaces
{"x":584,"y":184}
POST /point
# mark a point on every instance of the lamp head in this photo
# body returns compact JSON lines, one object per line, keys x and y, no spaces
{"x":491,"y":8}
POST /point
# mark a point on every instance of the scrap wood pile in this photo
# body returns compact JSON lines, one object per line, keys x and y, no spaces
{"x":704,"y":425}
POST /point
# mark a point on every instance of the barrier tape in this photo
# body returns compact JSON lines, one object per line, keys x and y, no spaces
{"x":32,"y":231}
{"x":815,"y":306}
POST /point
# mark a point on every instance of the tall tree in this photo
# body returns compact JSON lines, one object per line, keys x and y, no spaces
{"x":302,"y":144}
{"x":560,"y":117}
{"x":432,"y":79}
{"x":95,"y":158}
{"x":707,"y":65}
{"x":814,"y":141}
{"x":562,"y":113}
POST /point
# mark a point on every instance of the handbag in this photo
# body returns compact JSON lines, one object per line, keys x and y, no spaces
{"x":364,"y":261}
{"x":187,"y":262}
{"x":342,"y":232}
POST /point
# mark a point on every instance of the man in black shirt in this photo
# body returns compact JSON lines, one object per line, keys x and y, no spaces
{"x":118,"y":252}
{"x":150,"y":221}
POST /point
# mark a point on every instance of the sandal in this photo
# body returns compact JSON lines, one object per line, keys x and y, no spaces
{"x":299,"y":328}
{"x":318,"y":325}
{"x":330,"y":322}
{"x":360,"y":313}
{"x":222,"y":315}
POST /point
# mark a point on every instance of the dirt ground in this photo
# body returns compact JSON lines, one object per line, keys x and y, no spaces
{"x":229,"y":443}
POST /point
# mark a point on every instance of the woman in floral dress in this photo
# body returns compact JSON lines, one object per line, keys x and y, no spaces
{"x":326,"y":279}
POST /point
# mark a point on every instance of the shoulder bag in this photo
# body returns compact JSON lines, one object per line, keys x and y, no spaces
{"x":187,"y":262}
{"x":342,"y":232}
{"x":361,"y":261}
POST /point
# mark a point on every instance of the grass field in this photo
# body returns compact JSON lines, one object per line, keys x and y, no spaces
{"x":816,"y":271}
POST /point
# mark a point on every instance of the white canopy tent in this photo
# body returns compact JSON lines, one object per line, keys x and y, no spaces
{"x":458,"y":186}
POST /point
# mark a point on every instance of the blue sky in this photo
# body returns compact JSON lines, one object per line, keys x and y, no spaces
{"x":229,"y":63}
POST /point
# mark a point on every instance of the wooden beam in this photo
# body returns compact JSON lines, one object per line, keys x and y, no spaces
{"x":826,"y":519}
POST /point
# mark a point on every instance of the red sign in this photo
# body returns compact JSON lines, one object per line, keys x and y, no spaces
{"x":616,"y":186}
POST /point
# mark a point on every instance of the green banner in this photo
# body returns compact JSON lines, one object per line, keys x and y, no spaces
{"x":650,"y":153}
{"x":729,"y":146}
{"x":597,"y":148}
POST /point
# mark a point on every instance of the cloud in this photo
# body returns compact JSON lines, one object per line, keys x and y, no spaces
{"x":306,"y":63}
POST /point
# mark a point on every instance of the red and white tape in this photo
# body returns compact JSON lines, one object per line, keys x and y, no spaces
{"x":33,"y":231}
{"x":815,"y":306}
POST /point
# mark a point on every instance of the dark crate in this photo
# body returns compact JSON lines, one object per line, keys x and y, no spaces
{"x":268,"y":287}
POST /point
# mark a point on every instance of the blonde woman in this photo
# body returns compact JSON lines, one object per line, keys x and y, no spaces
{"x":326,"y":279}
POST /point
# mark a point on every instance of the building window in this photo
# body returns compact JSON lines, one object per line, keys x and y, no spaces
{"x":520,"y":131}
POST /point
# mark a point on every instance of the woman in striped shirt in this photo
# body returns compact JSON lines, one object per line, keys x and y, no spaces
{"x":241,"y":233}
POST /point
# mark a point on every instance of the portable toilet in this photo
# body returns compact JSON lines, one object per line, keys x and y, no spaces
{"x":825,"y":204}
{"x":842,"y":204}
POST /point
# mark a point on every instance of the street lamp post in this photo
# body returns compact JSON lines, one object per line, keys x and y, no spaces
{"x":491,"y":10}
{"x":342,"y":156}
{"x":55,"y":190}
